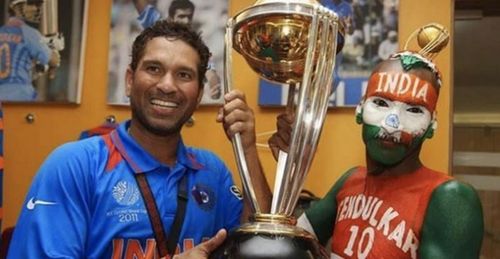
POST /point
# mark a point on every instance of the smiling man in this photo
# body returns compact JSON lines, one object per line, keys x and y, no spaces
{"x":395,"y":207}
{"x":139,"y":192}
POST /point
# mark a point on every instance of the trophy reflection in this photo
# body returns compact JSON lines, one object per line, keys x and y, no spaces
{"x":293,"y":43}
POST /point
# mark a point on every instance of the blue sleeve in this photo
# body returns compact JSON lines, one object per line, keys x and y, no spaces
{"x":233,"y":202}
{"x":37,"y":48}
{"x":148,"y":16}
{"x":55,"y":216}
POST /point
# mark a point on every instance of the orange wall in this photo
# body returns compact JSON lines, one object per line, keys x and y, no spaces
{"x":27,"y":145}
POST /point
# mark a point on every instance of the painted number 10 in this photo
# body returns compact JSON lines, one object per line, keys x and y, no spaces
{"x":365,"y":242}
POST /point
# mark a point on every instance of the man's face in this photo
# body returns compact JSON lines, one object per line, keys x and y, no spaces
{"x":184,"y":16}
{"x":393,"y":38}
{"x":164,"y":89}
{"x":32,"y":12}
{"x":397,"y":113}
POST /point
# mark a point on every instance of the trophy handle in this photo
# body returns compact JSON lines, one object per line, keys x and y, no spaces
{"x":236,"y":139}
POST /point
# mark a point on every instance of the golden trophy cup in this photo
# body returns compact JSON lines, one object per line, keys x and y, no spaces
{"x":291,"y":42}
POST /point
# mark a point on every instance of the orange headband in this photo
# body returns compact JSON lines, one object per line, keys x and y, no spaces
{"x":404,"y":87}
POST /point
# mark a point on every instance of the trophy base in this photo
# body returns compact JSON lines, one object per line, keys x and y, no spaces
{"x":270,"y":236}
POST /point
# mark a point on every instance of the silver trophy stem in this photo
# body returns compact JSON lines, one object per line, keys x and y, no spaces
{"x":236,"y":139}
{"x":313,"y":116}
{"x":282,"y":156}
{"x":295,"y":155}
{"x":49,"y":25}
{"x":290,"y":174}
{"x":291,"y":42}
{"x":310,"y":114}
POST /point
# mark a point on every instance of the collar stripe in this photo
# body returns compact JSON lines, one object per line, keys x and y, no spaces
{"x":119,"y":145}
{"x":114,"y":157}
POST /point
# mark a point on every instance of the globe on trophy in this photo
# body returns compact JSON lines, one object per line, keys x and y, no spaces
{"x":293,"y":43}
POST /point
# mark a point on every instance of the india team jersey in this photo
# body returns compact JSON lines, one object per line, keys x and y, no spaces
{"x":85,"y":203}
{"x":381,"y":217}
{"x":20,"y":45}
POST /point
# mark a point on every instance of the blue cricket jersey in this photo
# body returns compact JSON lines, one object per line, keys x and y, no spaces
{"x":20,"y":46}
{"x":84,"y":201}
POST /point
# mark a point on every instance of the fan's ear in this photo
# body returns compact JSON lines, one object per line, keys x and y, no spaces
{"x":359,"y":113}
{"x":432,"y":127}
{"x":430,"y":131}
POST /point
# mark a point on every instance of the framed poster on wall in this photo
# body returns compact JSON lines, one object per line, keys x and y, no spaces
{"x":41,"y":50}
{"x":371,"y":36}
{"x":200,"y":14}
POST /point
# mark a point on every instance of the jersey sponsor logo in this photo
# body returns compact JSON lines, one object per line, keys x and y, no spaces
{"x":204,"y":196}
{"x":32,"y":203}
{"x":125,"y":193}
{"x":236,"y":192}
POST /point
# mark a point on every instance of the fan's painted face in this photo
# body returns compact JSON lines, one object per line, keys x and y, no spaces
{"x":397,"y":114}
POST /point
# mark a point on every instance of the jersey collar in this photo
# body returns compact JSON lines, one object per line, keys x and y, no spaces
{"x":142,"y":161}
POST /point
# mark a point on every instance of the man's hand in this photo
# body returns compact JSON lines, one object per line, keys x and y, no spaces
{"x":281,"y":139}
{"x":55,"y":59}
{"x":54,"y":63}
{"x":204,"y":249}
{"x":237,"y":117}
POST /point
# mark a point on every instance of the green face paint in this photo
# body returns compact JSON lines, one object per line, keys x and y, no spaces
{"x":385,"y":151}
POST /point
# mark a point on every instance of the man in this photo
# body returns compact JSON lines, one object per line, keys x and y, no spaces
{"x":388,"y":46}
{"x":344,"y":10}
{"x":22,"y":47}
{"x":395,"y":207}
{"x":180,"y":11}
{"x":85,"y":201}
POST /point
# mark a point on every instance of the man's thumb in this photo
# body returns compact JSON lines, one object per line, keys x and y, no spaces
{"x":215,"y":241}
